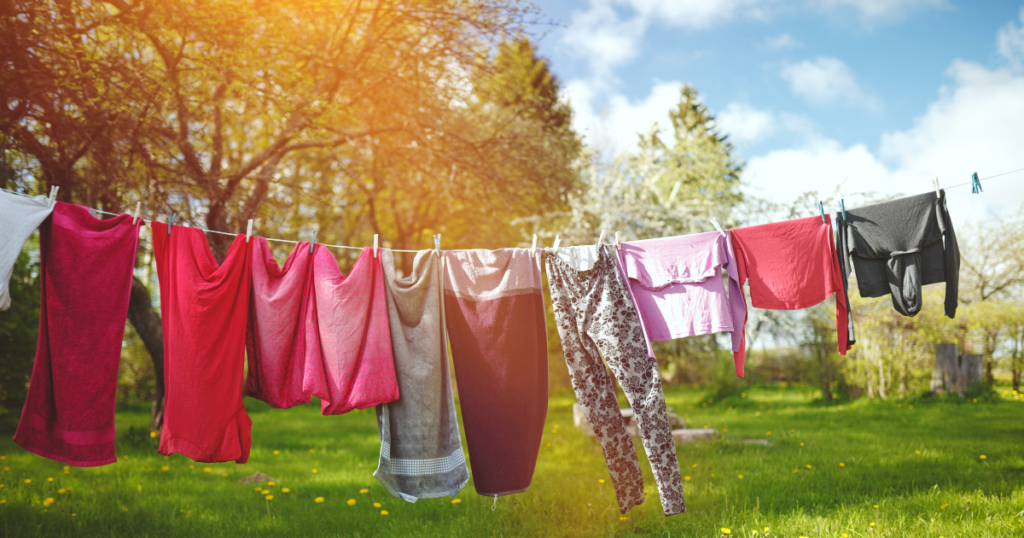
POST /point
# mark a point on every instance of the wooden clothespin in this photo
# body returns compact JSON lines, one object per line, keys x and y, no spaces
{"x":312,"y":242}
{"x":842,"y":208}
{"x":374,"y":245}
{"x":821,"y":209}
{"x":53,"y":195}
{"x":714,"y":222}
{"x":937,"y":194}
{"x":437,"y":245}
{"x":533,"y":249}
{"x":600,"y":240}
{"x":135,"y":217}
{"x":248,"y":231}
{"x":170,"y":220}
{"x":554,"y":248}
{"x":617,"y":243}
{"x":976,"y":184}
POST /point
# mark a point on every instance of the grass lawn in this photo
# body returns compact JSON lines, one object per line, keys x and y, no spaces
{"x":829,"y":471}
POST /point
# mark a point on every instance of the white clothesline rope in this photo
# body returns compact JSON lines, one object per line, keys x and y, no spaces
{"x":414,"y":251}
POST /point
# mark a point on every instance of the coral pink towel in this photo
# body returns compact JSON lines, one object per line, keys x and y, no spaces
{"x":282,"y":343}
{"x":790,"y":265}
{"x":355,"y":338}
{"x":86,"y":267}
{"x":204,"y":308}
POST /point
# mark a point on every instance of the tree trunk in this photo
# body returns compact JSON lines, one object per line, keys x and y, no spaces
{"x":147,"y":324}
{"x":946,"y":370}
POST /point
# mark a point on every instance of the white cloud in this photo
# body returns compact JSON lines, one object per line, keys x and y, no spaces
{"x":879,"y":10}
{"x":782,"y":42}
{"x":826,"y":81}
{"x":600,"y":35}
{"x":697,"y":13}
{"x":744,"y":123}
{"x":613,"y":124}
{"x":1011,"y":42}
{"x":973,"y":126}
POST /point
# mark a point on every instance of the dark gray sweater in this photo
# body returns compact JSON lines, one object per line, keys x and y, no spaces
{"x":896,"y":247}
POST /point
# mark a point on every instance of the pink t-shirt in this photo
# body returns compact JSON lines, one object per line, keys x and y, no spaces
{"x":677,"y":286}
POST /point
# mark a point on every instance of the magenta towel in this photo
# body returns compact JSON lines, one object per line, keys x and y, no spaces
{"x":676,"y":284}
{"x":86,"y":266}
{"x":494,"y":313}
{"x":282,"y":343}
{"x":355,"y":338}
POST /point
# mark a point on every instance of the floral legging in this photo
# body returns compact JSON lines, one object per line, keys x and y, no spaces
{"x":596,"y":317}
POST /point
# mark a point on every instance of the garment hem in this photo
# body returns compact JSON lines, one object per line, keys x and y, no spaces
{"x":386,"y":484}
{"x":64,"y":459}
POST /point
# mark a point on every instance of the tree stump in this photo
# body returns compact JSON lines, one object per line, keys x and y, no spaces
{"x":946,"y":372}
{"x":970,"y":371}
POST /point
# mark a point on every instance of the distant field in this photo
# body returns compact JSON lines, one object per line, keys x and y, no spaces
{"x":830,"y":471}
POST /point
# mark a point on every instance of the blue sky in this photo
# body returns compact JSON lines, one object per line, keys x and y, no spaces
{"x":839,"y":96}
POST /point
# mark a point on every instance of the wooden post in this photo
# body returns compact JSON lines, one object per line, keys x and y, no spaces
{"x":946,"y":371}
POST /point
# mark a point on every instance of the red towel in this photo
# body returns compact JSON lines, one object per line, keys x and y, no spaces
{"x":790,"y":265}
{"x":86,"y":266}
{"x":282,"y":342}
{"x":204,"y":308}
{"x":355,"y":337}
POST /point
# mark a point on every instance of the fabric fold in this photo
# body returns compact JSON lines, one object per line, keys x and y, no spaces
{"x":355,"y":339}
{"x":282,"y":341}
{"x":494,"y":314}
{"x":19,"y":217}
{"x":421,"y":451}
{"x":86,"y":269}
{"x":204,"y":308}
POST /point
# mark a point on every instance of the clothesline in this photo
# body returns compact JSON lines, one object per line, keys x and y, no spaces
{"x":414,"y":251}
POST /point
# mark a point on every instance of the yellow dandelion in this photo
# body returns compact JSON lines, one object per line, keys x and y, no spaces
{"x":3,"y":501}
{"x":769,"y":433}
{"x":726,"y":531}
{"x":5,"y":457}
{"x":7,"y":469}
{"x":74,"y":515}
{"x":766,"y":530}
{"x":285,"y":490}
{"x":62,"y":491}
{"x":918,"y":452}
{"x":808,"y":465}
{"x":259,"y":488}
{"x":351,"y":502}
{"x":740,"y":477}
{"x":841,"y":464}
{"x":548,"y":445}
{"x":318,"y":500}
{"x":694,"y":466}
{"x":911,"y":407}
{"x":600,"y":481}
{"x":943,"y":507}
{"x":712,"y":475}
{"x":686,"y":478}
{"x":206,"y":469}
{"x":743,"y":395}
{"x":843,"y":535}
{"x":191,"y":466}
{"x":223,"y":474}
{"x":456,"y":501}
{"x":875,"y":506}
{"x":276,"y":452}
{"x":982,"y":457}
{"x":314,"y":471}
{"x":165,"y":468}
{"x":376,"y":505}
{"x":312,"y":451}
{"x":796,"y":471}
{"x":271,"y":484}
{"x":126,"y":457}
{"x":383,"y":512}
{"x":801,"y":444}
{"x":872,"y":524}
{"x":269,"y":497}
{"x":28,"y":480}
{"x":554,"y":430}
{"x":364,"y":490}
{"x":51,"y":480}
{"x":48,"y":501}
{"x":623,"y":518}
{"x":152,"y":434}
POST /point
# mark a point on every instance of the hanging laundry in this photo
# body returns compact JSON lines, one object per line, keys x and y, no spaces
{"x":420,"y":448}
{"x":494,"y":313}
{"x":676,"y":284}
{"x":86,"y":272}
{"x":204,"y":307}
{"x":896,"y":247}
{"x":790,"y":265}
{"x":355,"y":339}
{"x":282,"y":341}
{"x":19,"y":217}
{"x":596,"y":317}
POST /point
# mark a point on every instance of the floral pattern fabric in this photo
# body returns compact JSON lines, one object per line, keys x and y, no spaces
{"x":595,"y":318}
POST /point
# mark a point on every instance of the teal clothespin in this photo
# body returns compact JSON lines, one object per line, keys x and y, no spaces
{"x":842,"y":207}
{"x":975,"y":184}
{"x":821,"y":209}
{"x":170,"y":221}
{"x":313,"y":242}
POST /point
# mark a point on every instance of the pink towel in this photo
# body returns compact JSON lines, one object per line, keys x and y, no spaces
{"x":283,"y":345}
{"x":86,"y":267}
{"x":355,"y":338}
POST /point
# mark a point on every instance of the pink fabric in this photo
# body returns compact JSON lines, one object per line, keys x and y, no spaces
{"x":204,"y":309}
{"x":282,"y":342}
{"x":676,"y":284}
{"x":355,"y":338}
{"x":791,"y":265}
{"x":86,"y":267}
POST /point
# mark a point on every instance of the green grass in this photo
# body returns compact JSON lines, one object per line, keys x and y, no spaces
{"x":944,"y":490}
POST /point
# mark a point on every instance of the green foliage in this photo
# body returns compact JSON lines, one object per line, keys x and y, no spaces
{"x":19,"y":328}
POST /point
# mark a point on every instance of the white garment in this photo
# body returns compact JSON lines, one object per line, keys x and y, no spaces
{"x":581,"y":258}
{"x":19,"y":217}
